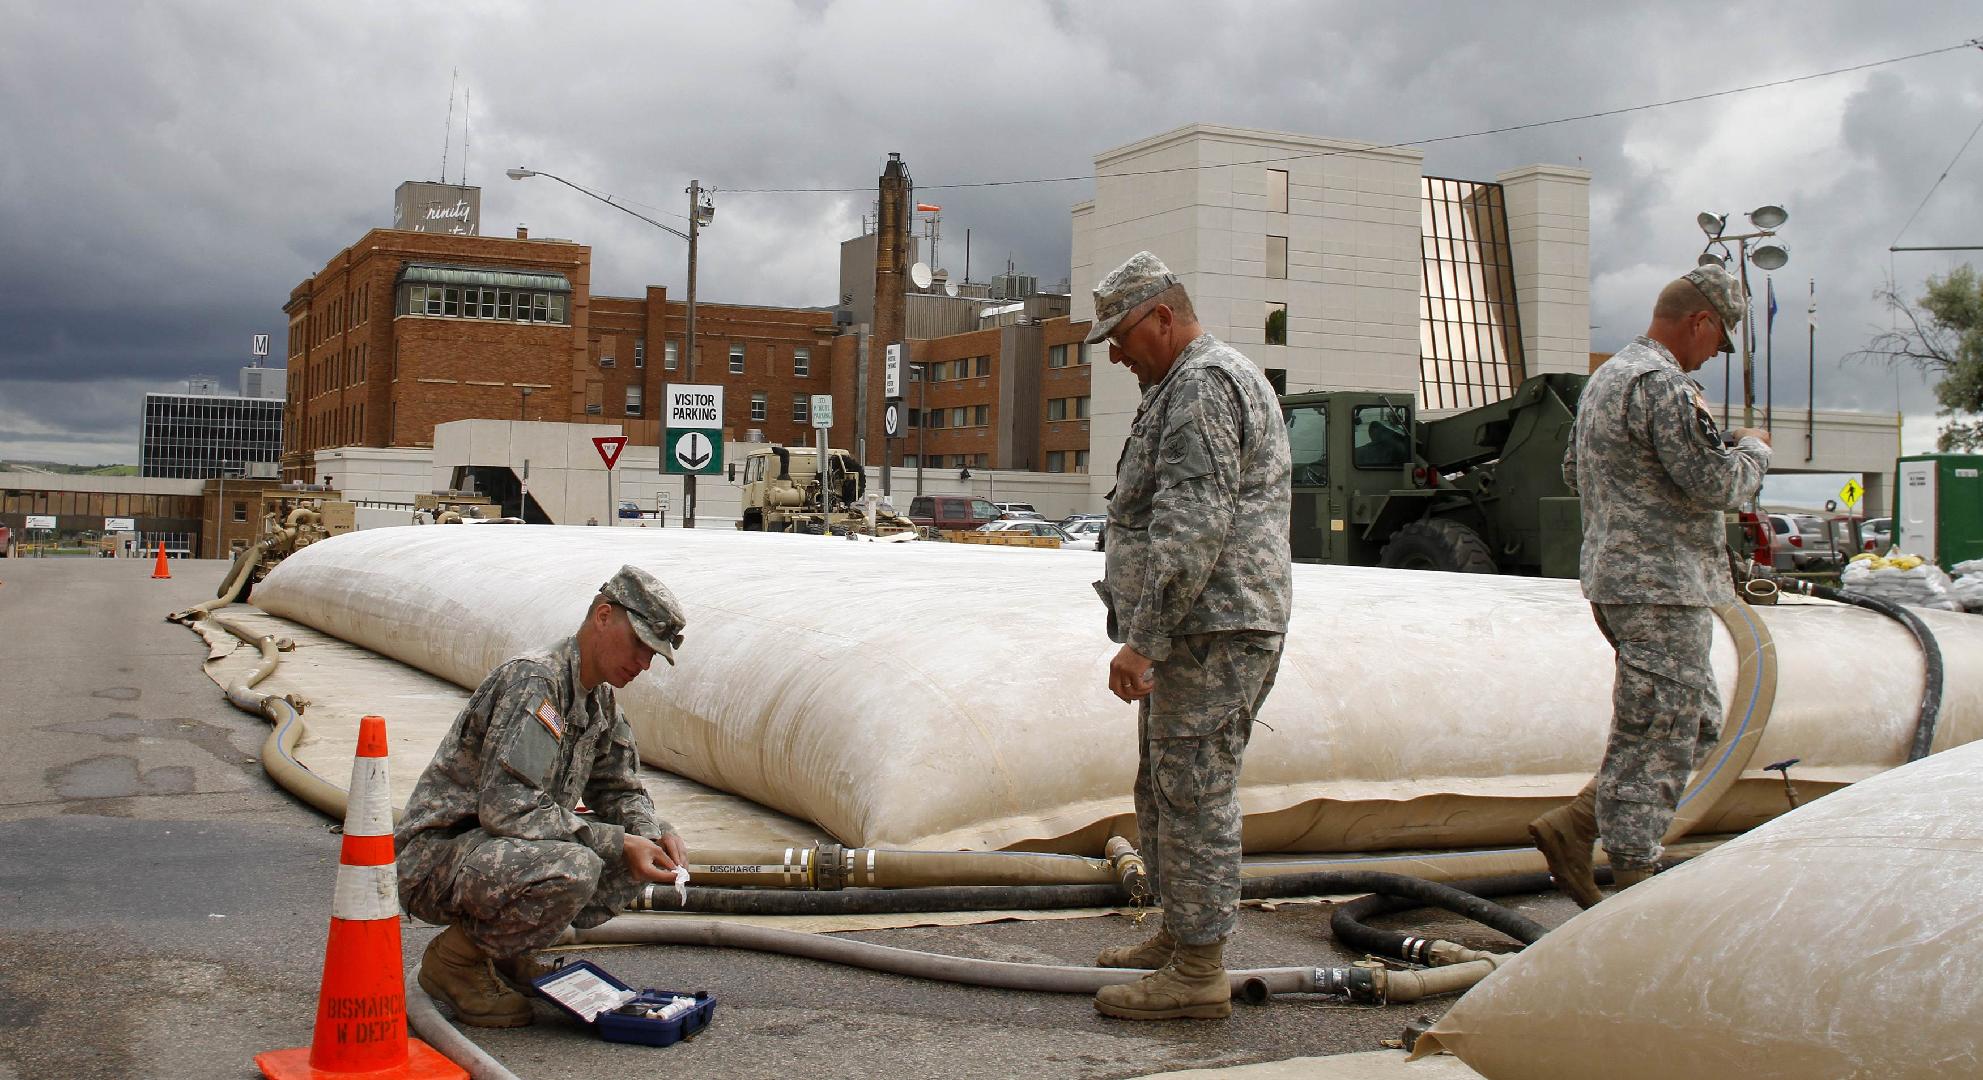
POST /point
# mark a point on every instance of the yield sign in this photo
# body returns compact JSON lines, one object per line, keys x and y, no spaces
{"x":609,"y":447}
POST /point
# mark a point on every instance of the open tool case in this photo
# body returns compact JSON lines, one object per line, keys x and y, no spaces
{"x":584,"y":990}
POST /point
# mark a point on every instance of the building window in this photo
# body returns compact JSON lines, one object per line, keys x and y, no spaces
{"x":1277,"y":256}
{"x":1074,"y":408}
{"x":1277,"y":323}
{"x":981,"y":415}
{"x":736,"y":358}
{"x":483,"y":302}
{"x":592,"y":408}
{"x":960,"y":417}
{"x":1277,"y":191}
{"x":1470,"y":336}
{"x":802,"y":362}
{"x":240,"y":511}
{"x":633,"y":401}
{"x":940,"y":371}
{"x":935,"y":417}
{"x":909,"y":461}
{"x":640,"y":352}
{"x":1057,"y":356}
{"x":1083,"y":353}
{"x":984,"y":366}
{"x":915,"y":418}
{"x":801,"y":410}
{"x":671,"y":354}
{"x":1056,"y":461}
{"x":1081,"y":461}
{"x":760,"y":407}
{"x":606,"y":361}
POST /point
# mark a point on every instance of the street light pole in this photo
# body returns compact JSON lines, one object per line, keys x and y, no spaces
{"x":695,"y":230}
{"x":697,"y":213}
{"x":1770,"y":256}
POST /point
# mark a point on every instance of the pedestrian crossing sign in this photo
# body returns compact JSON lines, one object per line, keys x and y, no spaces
{"x":1850,"y":493}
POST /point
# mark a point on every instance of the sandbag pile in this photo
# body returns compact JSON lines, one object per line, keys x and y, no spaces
{"x":1900,"y":579}
{"x":1968,"y":586}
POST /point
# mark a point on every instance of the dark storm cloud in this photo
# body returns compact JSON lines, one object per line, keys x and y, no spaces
{"x":171,"y":172}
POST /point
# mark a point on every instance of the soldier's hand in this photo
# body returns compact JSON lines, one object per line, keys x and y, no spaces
{"x":649,"y":861}
{"x":1738,"y":434}
{"x":672,"y":846}
{"x":1131,"y":674}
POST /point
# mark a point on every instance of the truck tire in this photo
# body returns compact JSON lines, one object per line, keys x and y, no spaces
{"x":1438,"y":544}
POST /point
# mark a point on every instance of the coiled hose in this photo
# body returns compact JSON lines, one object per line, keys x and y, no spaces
{"x":1930,"y":712}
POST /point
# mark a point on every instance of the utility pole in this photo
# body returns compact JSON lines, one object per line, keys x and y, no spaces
{"x":695,"y":229}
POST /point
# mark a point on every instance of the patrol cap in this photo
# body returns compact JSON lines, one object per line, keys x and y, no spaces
{"x":654,"y":612}
{"x":1724,"y":293}
{"x":1139,"y":278}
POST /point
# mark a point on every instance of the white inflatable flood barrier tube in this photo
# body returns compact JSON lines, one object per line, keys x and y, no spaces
{"x":932,"y":695}
{"x":1842,"y":940}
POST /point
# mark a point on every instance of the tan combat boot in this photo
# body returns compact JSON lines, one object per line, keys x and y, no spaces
{"x":1625,"y":879}
{"x":1564,"y":836}
{"x":1193,"y":985}
{"x":1150,"y":955}
{"x":522,"y":972}
{"x":453,"y":970}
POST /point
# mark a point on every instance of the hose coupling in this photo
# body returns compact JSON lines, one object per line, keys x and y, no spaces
{"x":831,"y":863}
{"x":1130,"y":871}
{"x":1358,"y":984}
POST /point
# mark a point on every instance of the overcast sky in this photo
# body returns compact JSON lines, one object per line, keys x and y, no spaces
{"x":170,"y":171}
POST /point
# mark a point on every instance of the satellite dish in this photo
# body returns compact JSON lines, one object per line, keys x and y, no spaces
{"x":920,"y":275}
{"x":950,"y":288}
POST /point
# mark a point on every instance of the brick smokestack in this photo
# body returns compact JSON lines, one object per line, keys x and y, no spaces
{"x":891,"y":257}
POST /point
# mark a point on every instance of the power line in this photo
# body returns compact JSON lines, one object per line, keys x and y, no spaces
{"x":1689,"y":99}
{"x":1938,"y":180}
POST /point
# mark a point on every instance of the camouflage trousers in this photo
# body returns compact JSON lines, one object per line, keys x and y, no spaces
{"x":1665,"y":719}
{"x":511,"y":896}
{"x":1192,"y":732}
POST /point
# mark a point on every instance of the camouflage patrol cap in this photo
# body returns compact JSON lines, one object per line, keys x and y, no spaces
{"x":654,"y":612}
{"x":1724,"y":293}
{"x":1140,"y":277}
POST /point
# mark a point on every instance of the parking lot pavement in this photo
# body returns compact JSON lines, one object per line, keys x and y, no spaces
{"x":163,"y":906}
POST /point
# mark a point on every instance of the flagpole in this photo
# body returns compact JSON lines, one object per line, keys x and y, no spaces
{"x":1811,"y":374}
{"x":1769,"y":358}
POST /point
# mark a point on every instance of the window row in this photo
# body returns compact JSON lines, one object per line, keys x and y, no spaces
{"x":1073,"y":355}
{"x":334,"y":318}
{"x":953,"y":461}
{"x":967,"y":368}
{"x":801,"y":407}
{"x":483,"y":302}
{"x":1067,"y":408}
{"x":960,"y":417}
{"x":801,"y":359}
{"x":1060,"y":460}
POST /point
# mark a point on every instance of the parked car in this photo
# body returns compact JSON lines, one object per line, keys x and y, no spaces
{"x":629,"y":509}
{"x":1074,"y":519}
{"x":943,"y":512}
{"x":1017,"y":509}
{"x":1804,"y":542}
{"x":1786,"y":540}
{"x":1039,"y":528}
{"x":1876,"y":534}
{"x":1086,"y":533}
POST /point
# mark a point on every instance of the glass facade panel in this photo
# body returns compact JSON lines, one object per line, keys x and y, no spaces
{"x":1470,"y":332}
{"x":196,"y":437}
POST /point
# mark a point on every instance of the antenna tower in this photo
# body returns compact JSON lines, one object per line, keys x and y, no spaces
{"x":447,"y":134}
{"x":466,"y":98}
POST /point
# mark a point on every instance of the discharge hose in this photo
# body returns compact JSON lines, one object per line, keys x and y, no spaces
{"x":1931,"y":655}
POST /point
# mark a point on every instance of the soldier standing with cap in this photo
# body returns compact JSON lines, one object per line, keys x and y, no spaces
{"x":490,"y":845}
{"x":1197,"y":587}
{"x":1655,"y":476}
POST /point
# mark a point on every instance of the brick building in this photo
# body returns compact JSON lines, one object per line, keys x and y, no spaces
{"x":406,"y":330}
{"x":1010,"y":397}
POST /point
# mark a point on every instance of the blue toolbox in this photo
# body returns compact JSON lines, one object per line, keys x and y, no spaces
{"x":619,"y":1013}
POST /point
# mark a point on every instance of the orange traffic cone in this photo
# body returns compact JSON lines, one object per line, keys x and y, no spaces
{"x":361,"y":1006}
{"x":161,"y":570}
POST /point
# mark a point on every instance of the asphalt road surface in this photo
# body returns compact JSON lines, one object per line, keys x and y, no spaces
{"x":163,"y":905}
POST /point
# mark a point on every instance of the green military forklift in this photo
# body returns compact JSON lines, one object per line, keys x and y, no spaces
{"x":1478,"y":492}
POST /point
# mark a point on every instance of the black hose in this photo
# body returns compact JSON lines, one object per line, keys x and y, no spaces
{"x":1349,"y":927}
{"x":1931,"y":654}
{"x":1467,"y":900}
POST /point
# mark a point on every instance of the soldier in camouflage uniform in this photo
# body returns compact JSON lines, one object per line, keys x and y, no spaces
{"x":1197,"y":589}
{"x":1655,"y":476}
{"x":490,"y":844}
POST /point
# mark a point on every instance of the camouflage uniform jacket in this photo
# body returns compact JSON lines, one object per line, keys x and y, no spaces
{"x":1655,"y":478}
{"x":528,"y":746}
{"x":1198,"y":521}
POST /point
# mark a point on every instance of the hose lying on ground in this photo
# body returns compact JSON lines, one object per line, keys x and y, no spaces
{"x":1348,"y":926}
